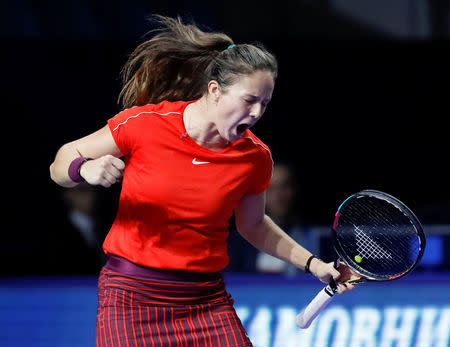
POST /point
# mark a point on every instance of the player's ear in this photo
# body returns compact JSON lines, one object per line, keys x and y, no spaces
{"x":214,"y":89}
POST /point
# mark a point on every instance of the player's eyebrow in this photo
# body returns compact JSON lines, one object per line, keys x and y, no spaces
{"x":256,"y":97}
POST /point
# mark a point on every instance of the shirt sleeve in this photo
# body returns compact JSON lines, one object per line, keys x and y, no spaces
{"x":262,"y":173}
{"x":123,"y":130}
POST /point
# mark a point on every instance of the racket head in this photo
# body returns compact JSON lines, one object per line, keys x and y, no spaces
{"x":378,"y":236}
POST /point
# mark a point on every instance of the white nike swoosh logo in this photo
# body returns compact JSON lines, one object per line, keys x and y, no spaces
{"x":196,"y":162}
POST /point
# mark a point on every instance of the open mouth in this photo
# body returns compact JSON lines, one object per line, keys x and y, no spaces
{"x":242,"y":127}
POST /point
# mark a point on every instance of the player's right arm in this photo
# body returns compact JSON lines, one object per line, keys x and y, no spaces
{"x":104,"y":169}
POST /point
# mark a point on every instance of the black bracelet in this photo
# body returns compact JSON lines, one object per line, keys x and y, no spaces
{"x":308,"y":263}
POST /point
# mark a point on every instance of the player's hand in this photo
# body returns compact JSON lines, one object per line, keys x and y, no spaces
{"x":346,"y":274}
{"x":326,"y":271}
{"x":103,"y":171}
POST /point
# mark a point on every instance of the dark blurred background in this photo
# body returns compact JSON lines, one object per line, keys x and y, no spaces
{"x":362,"y":101}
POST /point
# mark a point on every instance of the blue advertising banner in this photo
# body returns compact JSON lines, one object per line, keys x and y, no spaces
{"x":413,"y":311}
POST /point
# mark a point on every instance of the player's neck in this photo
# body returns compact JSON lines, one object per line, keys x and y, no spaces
{"x":200,"y":128}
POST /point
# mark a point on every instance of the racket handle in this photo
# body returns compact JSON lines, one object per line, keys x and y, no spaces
{"x":317,"y":305}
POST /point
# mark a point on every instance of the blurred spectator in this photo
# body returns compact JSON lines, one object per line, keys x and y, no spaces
{"x":281,"y":199}
{"x":241,"y":253}
{"x":281,"y":207}
{"x":74,"y":241}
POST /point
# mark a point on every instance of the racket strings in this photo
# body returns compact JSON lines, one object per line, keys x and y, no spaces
{"x":368,"y":248}
{"x":380,"y":234}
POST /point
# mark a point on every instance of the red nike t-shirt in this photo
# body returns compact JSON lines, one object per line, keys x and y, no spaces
{"x":177,"y":197}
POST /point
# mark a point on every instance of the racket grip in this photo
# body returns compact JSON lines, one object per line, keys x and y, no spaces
{"x":317,"y":305}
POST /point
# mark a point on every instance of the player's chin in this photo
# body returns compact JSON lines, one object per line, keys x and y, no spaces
{"x":234,"y":136}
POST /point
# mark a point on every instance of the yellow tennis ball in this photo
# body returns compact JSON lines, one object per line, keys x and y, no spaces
{"x":358,"y":258}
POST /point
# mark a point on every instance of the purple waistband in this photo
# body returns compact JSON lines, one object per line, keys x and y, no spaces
{"x":124,"y":266}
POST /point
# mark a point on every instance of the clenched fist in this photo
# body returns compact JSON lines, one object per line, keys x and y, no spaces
{"x":103,"y":171}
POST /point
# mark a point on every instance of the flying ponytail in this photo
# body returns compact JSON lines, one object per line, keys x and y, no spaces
{"x":180,"y":59}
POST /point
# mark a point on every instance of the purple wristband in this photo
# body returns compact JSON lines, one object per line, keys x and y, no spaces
{"x":74,"y":169}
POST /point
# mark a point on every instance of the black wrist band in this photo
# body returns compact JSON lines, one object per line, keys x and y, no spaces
{"x":308,"y":263}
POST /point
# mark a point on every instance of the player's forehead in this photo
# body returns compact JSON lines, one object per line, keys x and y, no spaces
{"x":258,"y":84}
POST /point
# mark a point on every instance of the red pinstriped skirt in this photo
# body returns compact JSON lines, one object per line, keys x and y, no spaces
{"x":139,"y":306}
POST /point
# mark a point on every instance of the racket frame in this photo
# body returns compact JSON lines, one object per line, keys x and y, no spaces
{"x":324,"y":297}
{"x":365,"y":277}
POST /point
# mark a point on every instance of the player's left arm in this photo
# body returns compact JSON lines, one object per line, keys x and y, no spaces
{"x":263,"y":233}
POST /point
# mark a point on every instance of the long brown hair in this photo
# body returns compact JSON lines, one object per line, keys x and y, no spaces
{"x":180,"y":59}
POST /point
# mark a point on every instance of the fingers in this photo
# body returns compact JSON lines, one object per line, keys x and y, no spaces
{"x":112,"y":171}
{"x":117,"y":163}
{"x":328,"y":272}
{"x":335,"y":273}
{"x":347,"y":274}
{"x":104,"y":171}
{"x":109,"y":179}
{"x":345,"y":287}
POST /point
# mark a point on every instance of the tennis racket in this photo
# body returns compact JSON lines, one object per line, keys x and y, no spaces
{"x":378,"y":237}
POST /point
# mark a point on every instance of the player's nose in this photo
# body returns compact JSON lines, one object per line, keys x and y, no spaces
{"x":256,"y":111}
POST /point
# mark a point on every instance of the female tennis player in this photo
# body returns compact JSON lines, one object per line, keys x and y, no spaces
{"x":189,"y":163}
